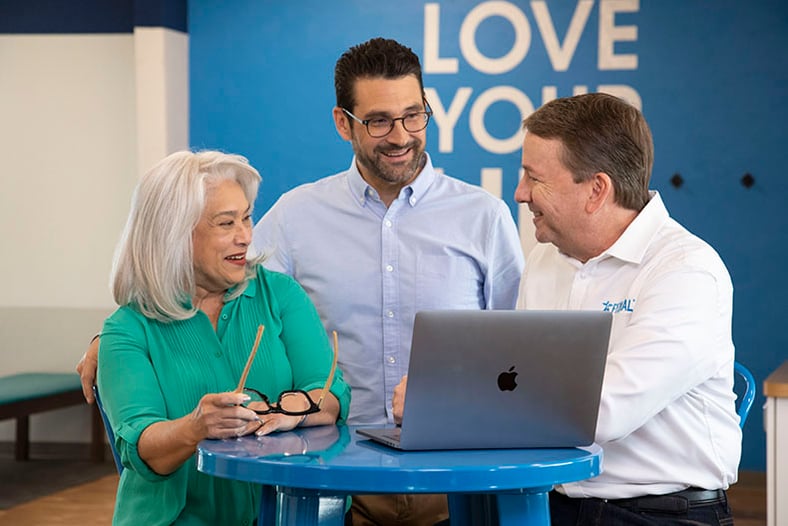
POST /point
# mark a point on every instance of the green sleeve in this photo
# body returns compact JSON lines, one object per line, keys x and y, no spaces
{"x":305,"y":341}
{"x":128,"y":386}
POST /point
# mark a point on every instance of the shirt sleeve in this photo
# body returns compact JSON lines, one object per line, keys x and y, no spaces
{"x":677,"y":338}
{"x":506,"y":262}
{"x":269,"y":239}
{"x":124,"y":361}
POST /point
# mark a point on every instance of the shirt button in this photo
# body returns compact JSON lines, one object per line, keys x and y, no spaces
{"x":392,"y":359}
{"x":390,"y":314}
{"x":412,"y":200}
{"x":387,"y":222}
{"x":218,"y":354}
{"x":389,"y":268}
{"x":224,"y":316}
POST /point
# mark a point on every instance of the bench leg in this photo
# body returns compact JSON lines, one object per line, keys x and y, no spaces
{"x":96,"y":435}
{"x":22,"y":447}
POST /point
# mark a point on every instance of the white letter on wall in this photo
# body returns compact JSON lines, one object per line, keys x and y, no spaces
{"x":609,"y":34}
{"x":561,"y":55}
{"x":432,"y":37}
{"x":484,"y":101}
{"x":492,"y":181}
{"x":522,"y":37}
{"x":446,"y":121}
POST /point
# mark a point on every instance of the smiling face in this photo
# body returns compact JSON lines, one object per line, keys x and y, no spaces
{"x":557,"y":202}
{"x":221,"y":237}
{"x":391,"y":162}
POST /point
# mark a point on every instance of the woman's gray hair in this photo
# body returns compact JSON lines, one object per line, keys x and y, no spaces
{"x":153,"y":267}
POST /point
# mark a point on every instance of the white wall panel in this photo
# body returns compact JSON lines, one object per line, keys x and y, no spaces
{"x":162,"y":79}
{"x":68,"y":138}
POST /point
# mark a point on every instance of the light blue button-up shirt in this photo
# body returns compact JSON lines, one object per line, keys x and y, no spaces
{"x":442,"y":244}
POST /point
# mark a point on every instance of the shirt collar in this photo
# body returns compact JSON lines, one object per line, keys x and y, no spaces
{"x":631,"y":246}
{"x":248,"y":291}
{"x":412,"y":192}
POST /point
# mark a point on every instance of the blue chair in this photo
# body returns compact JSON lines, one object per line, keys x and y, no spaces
{"x":108,"y":429}
{"x":747,"y":398}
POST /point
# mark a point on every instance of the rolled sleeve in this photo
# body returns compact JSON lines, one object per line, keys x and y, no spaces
{"x":123,"y":362}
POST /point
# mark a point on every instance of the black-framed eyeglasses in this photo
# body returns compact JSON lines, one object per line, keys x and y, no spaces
{"x":378,"y":127}
{"x":296,"y":402}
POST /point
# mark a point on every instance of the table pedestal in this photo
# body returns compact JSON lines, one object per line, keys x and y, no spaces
{"x":320,"y":508}
{"x":307,"y":508}
{"x":527,"y":508}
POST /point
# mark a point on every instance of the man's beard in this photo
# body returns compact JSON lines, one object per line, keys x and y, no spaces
{"x":378,"y":168}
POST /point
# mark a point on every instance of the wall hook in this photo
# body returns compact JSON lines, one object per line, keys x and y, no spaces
{"x":747,"y":180}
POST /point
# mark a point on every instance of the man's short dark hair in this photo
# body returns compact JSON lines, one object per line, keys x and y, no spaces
{"x":375,"y":58}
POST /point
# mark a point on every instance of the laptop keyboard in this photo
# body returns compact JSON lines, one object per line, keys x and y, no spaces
{"x":392,"y":434}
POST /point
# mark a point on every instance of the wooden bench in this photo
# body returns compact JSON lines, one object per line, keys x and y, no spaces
{"x":24,"y":394}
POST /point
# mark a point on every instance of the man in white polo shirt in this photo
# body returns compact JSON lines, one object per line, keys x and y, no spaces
{"x":667,"y":421}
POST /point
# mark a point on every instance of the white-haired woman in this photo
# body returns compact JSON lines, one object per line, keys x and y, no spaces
{"x":191,"y":305}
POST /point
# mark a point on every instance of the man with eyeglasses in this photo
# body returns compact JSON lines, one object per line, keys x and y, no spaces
{"x":387,"y":237}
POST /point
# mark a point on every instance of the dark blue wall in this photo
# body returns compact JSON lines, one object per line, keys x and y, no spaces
{"x":711,"y":77}
{"x":89,"y":16}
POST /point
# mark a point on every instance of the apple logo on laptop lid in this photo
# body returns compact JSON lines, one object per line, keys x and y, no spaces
{"x":506,"y":380}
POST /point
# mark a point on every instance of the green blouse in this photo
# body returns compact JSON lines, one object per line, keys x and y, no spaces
{"x":151,"y":371}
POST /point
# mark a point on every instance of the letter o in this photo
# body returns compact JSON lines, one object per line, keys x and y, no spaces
{"x":522,"y":37}
{"x":479,"y":108}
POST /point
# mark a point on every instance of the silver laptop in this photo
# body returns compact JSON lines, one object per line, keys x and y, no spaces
{"x":502,"y":379}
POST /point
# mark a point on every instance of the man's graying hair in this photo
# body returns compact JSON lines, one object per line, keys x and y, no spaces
{"x":600,"y":133}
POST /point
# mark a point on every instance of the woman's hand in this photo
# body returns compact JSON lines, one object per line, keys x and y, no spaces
{"x":221,"y":415}
{"x":328,"y":414}
{"x":165,"y":445}
{"x":278,"y":422}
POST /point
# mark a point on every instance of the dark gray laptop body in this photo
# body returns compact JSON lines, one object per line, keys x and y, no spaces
{"x":463,"y":392}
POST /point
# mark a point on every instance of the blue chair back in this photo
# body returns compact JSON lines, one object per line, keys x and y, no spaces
{"x":108,"y":429}
{"x":745,"y":399}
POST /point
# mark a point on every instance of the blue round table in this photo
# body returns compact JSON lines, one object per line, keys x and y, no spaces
{"x":307,"y":474}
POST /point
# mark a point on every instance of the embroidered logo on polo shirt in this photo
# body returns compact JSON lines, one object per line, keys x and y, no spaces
{"x":619,"y":306}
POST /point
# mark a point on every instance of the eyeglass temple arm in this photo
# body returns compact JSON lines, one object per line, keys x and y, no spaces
{"x":249,"y":360}
{"x":331,"y":374}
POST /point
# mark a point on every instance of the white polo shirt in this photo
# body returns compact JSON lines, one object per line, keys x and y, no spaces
{"x":667,"y":418}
